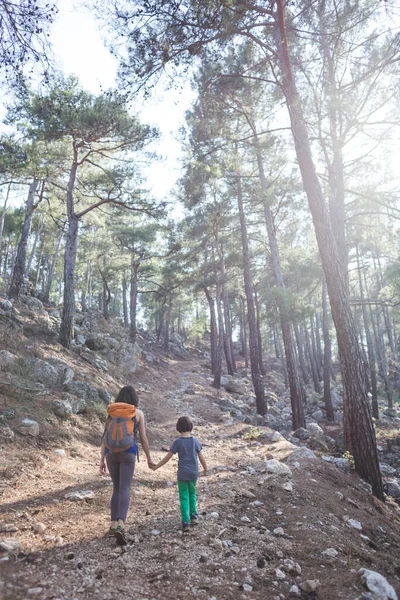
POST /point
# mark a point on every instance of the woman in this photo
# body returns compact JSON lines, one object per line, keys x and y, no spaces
{"x":121,"y":464}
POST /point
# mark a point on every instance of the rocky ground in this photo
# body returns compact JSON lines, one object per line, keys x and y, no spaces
{"x":276,"y":520}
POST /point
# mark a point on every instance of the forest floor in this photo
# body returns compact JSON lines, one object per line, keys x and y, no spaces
{"x":261,"y":535}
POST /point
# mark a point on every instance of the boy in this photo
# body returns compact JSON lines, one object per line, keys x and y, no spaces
{"x":188,"y":449}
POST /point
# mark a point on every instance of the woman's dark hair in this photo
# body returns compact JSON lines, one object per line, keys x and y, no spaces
{"x":184,"y":425}
{"x":129,"y":395}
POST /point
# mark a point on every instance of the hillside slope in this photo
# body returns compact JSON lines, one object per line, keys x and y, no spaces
{"x":266,"y":531}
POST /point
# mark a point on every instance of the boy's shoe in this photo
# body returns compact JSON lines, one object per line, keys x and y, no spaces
{"x":120,"y":536}
{"x":185,"y":527}
{"x":194,"y":520}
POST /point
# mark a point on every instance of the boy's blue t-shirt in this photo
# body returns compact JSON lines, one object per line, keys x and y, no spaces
{"x":187,"y":449}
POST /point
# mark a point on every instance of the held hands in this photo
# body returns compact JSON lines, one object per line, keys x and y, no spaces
{"x":151,"y":464}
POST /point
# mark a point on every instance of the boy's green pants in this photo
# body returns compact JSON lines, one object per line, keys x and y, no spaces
{"x":187,"y":499}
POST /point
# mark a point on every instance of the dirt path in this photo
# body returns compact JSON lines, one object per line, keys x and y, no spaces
{"x":261,"y":535}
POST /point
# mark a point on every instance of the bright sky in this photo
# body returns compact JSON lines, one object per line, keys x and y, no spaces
{"x":79,"y":48}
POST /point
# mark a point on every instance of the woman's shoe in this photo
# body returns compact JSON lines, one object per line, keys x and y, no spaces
{"x":120,"y":536}
{"x":111,"y":531}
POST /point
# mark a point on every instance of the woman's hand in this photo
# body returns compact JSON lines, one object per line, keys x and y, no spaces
{"x":102,"y":467}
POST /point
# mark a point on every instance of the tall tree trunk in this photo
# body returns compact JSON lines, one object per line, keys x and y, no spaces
{"x":213,"y":331}
{"x":243,"y":332}
{"x":370,"y":347}
{"x":228,"y":344}
{"x":314,"y":370}
{"x":318,"y":342}
{"x":2,"y":217}
{"x":17,"y":278}
{"x":259,"y":339}
{"x":52,"y":267}
{"x":221,"y":335}
{"x":315,"y":349}
{"x":125,"y":301}
{"x":39,"y":264}
{"x":381,"y":357}
{"x":71,"y":246}
{"x":296,"y":391}
{"x":358,"y":425}
{"x":261,"y":404}
{"x":133,"y":299}
{"x":300,"y":352}
{"x":33,"y":251}
{"x":167,"y":325}
{"x":327,"y":357}
{"x":222,"y":299}
{"x":106,"y":300}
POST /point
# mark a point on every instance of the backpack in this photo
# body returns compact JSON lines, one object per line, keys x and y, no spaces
{"x":120,"y":431}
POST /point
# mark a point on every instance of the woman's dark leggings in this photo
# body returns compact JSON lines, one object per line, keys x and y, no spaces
{"x":121,"y":466}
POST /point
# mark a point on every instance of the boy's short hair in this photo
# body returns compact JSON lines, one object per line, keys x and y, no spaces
{"x":184,"y":425}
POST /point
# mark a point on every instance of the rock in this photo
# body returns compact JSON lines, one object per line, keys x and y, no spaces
{"x":279,"y":574}
{"x":62,"y":408}
{"x":377,"y":584}
{"x":129,"y":361}
{"x":288,"y":486}
{"x":35,"y":591}
{"x":291,"y":567}
{"x":340,"y":463}
{"x":301,"y":433}
{"x":336,"y":399}
{"x":29,"y":427}
{"x":83,"y":391}
{"x":245,"y":519}
{"x":278,"y":468}
{"x":235,"y":386}
{"x":318,"y":416}
{"x":278,"y":531}
{"x":39,"y":527}
{"x":330,"y":553}
{"x":6,"y":359}
{"x":155,"y":532}
{"x":32,"y":303}
{"x":39,"y":370}
{"x":6,"y":435}
{"x":104,"y":395}
{"x":311,"y":585}
{"x":387,"y":469}
{"x":203,"y":558}
{"x":60,"y":452}
{"x":392,"y":488}
{"x":5,"y":305}
{"x":354,"y":524}
{"x":68,"y":375}
{"x":390,"y":412}
{"x":78,"y":405}
{"x":214,"y":515}
{"x":299,"y":455}
{"x":295,"y":591}
{"x":96,"y":342}
{"x":9,"y":545}
{"x":315,"y":430}
{"x":80,"y":495}
{"x":271,"y":436}
{"x":247,"y":587}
